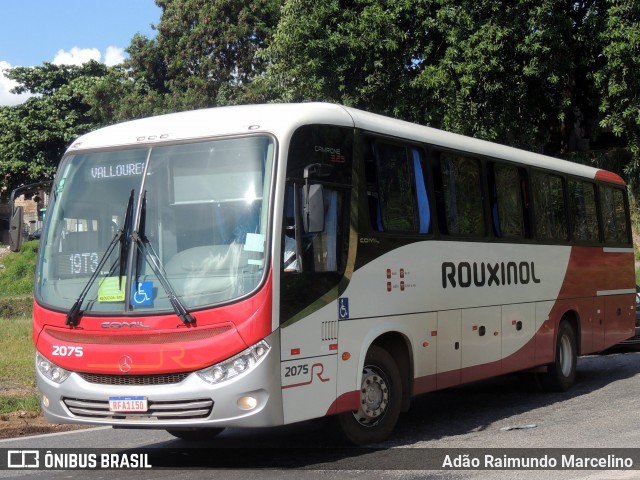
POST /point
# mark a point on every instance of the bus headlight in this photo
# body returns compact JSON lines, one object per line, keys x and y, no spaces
{"x":50,"y":370}
{"x":234,"y":366}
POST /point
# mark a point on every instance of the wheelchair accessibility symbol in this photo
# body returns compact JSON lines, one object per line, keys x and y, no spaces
{"x":142,"y":294}
{"x":343,"y":308}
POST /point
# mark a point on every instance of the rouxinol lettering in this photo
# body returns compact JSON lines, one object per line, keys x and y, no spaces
{"x":465,"y":274}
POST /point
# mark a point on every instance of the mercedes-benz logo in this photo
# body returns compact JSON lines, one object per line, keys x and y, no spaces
{"x":125,"y":363}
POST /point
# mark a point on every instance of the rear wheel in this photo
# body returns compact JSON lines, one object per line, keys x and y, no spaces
{"x":195,"y":434}
{"x":380,"y":400}
{"x":561,"y":374}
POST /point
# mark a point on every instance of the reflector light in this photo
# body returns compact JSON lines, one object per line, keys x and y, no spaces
{"x":247,"y":403}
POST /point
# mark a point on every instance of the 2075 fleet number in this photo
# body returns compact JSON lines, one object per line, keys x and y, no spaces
{"x":296,"y":370}
{"x":64,"y":351}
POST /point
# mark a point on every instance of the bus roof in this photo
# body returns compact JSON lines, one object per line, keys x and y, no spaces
{"x":281,"y":119}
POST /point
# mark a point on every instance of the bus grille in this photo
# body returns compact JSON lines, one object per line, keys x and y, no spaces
{"x":161,"y":379}
{"x":165,"y":410}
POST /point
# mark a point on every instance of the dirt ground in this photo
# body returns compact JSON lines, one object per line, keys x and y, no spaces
{"x":21,"y":423}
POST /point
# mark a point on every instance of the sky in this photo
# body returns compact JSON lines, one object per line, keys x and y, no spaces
{"x":68,"y":32}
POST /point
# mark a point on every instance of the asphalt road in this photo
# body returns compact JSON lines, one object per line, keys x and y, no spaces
{"x":506,"y":414}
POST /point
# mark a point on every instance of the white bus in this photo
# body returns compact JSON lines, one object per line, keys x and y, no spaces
{"x":262,"y":265}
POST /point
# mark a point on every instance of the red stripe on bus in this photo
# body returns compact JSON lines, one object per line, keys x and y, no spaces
{"x":610,"y":177}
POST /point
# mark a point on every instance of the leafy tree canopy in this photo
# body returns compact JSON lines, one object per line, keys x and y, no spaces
{"x":618,"y":80}
{"x":204,"y":54}
{"x":560,"y":77}
{"x":34,"y":134}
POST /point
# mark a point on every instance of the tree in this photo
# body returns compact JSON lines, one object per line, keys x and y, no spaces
{"x":518,"y":72}
{"x":203,"y":55}
{"x":515,"y":72}
{"x":35,"y":134}
{"x":618,"y":80}
{"x":362,"y":53}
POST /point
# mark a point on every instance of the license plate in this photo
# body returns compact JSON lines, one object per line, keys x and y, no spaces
{"x":127,"y":404}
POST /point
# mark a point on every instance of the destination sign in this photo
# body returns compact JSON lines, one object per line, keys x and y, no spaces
{"x":116,"y":170}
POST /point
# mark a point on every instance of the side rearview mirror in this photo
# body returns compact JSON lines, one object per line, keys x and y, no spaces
{"x":313,"y":215}
{"x":15,"y":229}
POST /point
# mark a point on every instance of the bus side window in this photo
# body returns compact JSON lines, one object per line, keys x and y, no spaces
{"x":613,"y":207}
{"x":526,"y":204}
{"x":507,"y":209}
{"x":583,"y":210}
{"x":424,"y":211}
{"x":312,"y":252}
{"x":549,"y":207}
{"x":461,"y":196}
{"x":373,"y":195}
{"x":289,"y":247}
{"x":396,"y":188}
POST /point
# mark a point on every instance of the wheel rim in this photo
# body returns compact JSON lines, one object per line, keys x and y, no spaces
{"x":374,"y":397}
{"x":566,"y":355}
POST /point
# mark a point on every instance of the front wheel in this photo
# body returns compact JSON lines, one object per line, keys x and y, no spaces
{"x":380,"y":401}
{"x":561,"y":374}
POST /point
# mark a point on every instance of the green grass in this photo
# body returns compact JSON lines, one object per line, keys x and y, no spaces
{"x":17,"y":375}
{"x":16,"y":353}
{"x":29,"y":403}
{"x":17,"y":270}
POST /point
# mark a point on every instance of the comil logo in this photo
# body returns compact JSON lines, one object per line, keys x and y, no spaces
{"x":23,"y":459}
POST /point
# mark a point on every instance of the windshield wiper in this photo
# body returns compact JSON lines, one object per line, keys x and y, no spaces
{"x":146,"y":249}
{"x":127,"y":228}
{"x":122,"y":236}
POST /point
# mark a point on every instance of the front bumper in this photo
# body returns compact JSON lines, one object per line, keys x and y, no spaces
{"x":191,"y":402}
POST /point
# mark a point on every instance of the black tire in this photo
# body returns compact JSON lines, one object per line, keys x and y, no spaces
{"x":195,"y":434}
{"x":380,"y":398}
{"x":561,"y":374}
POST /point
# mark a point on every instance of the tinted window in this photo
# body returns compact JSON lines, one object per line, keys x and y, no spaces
{"x":506,"y":202}
{"x":396,"y":189}
{"x":462,"y":196}
{"x":614,"y":216}
{"x":549,"y":207}
{"x":584,"y":215}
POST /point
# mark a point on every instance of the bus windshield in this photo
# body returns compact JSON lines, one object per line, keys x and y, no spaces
{"x":202,"y":207}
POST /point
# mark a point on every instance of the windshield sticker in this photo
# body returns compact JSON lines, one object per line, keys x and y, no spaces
{"x":111,"y":289}
{"x":60,"y":186}
{"x":142,"y":294}
{"x":254,"y":242}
